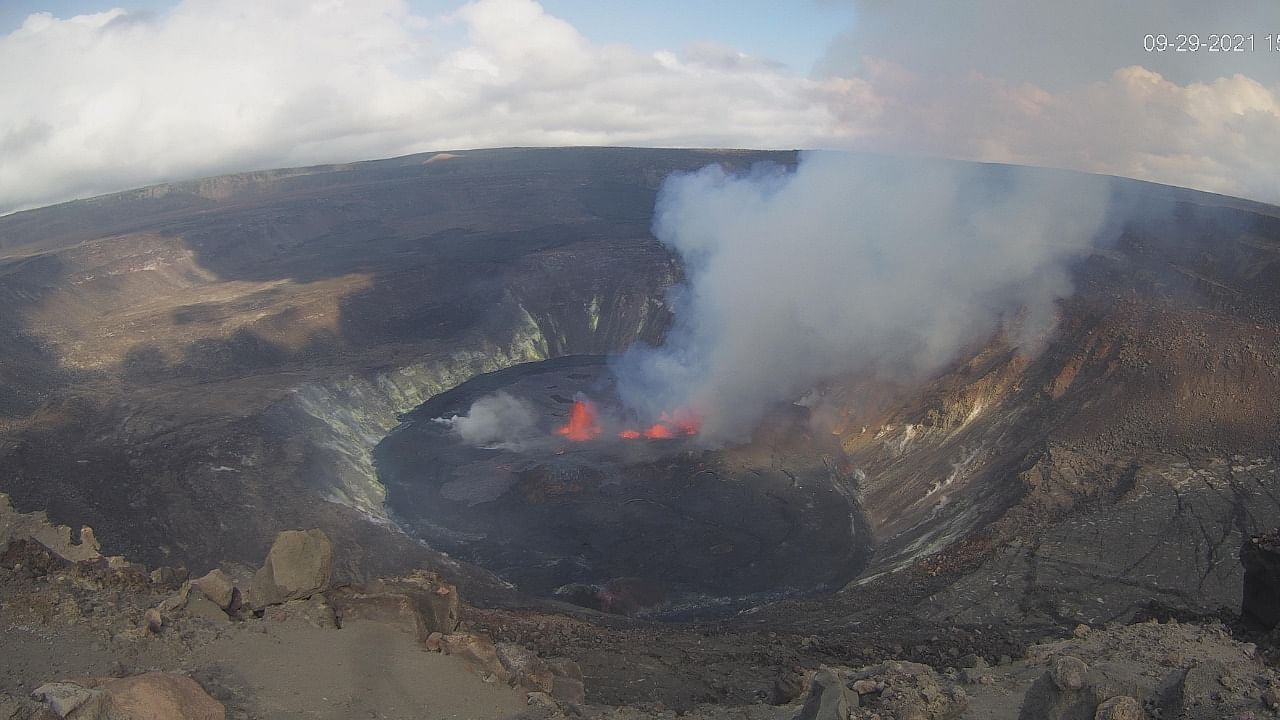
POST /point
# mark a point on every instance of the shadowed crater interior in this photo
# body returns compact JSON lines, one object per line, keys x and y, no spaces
{"x":625,"y":525}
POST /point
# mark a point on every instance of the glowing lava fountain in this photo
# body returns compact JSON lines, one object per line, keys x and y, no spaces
{"x":582,"y":425}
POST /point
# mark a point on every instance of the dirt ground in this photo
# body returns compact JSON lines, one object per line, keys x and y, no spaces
{"x":259,"y":669}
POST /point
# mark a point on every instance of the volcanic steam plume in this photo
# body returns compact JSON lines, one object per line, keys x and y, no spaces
{"x":848,"y":263}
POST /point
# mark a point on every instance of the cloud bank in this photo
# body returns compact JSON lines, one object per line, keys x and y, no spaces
{"x":848,"y":264}
{"x":104,"y":102}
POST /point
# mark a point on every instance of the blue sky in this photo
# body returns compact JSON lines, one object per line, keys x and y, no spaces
{"x":793,"y":33}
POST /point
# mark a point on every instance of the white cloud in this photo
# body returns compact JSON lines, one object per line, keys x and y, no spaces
{"x":108,"y":101}
{"x":1221,"y":136}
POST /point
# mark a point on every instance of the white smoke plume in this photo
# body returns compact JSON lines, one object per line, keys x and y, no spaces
{"x":848,"y":263}
{"x":500,"y":421}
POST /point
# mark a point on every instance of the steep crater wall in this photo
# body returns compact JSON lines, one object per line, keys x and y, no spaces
{"x":343,"y":419}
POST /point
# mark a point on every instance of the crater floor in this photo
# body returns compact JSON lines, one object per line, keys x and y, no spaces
{"x":625,"y":526}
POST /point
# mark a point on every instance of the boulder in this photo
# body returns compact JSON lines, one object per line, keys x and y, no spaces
{"x":388,"y":608}
{"x":298,"y":566}
{"x":151,"y":696}
{"x":437,"y":601}
{"x":220,"y":589}
{"x":1260,"y":556}
{"x":64,"y":698}
{"x":199,"y":606}
{"x":160,"y":696}
{"x":433,"y":640}
{"x":476,"y":651}
{"x":1068,"y":673}
{"x":828,"y":698}
{"x":152,"y":620}
{"x":420,"y":603}
{"x":526,"y":668}
{"x":1056,"y":696}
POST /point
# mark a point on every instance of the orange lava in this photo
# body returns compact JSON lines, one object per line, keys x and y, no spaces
{"x":677,"y":423}
{"x":582,"y":425}
{"x":658,"y":431}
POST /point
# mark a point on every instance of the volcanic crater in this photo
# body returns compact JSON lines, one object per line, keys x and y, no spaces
{"x":192,"y":368}
{"x":580,"y":508}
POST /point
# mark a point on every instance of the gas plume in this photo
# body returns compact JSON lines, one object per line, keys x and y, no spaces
{"x":500,"y":421}
{"x":849,"y":263}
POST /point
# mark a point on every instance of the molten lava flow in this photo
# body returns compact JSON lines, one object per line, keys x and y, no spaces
{"x":658,"y":431}
{"x":669,"y":425}
{"x":582,"y":425}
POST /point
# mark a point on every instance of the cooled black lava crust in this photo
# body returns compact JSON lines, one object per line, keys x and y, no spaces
{"x":625,"y":525}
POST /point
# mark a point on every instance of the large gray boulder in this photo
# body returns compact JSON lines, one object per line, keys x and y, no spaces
{"x":298,"y":566}
{"x":828,"y":698}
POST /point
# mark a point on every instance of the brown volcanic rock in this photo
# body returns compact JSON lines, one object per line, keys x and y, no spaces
{"x":420,"y":603}
{"x":219,"y":588}
{"x":160,"y":696}
{"x":395,"y":609}
{"x":437,"y":601}
{"x":298,"y":566}
{"x":314,"y":611}
{"x":477,"y":651}
{"x":150,"y":696}
{"x":828,"y":698}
